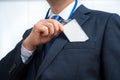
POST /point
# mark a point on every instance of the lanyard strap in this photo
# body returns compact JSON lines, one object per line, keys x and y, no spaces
{"x":73,"y":10}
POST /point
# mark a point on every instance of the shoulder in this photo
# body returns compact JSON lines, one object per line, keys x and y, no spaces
{"x":96,"y":13}
{"x":103,"y":14}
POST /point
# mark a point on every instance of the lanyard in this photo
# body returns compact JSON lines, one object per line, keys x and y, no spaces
{"x":73,"y":10}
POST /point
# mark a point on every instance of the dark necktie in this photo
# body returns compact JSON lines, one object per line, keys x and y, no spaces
{"x":48,"y":45}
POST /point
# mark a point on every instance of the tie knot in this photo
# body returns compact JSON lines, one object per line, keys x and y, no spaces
{"x":58,"y":18}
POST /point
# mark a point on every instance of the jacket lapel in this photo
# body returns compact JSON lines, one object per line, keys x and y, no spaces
{"x":60,"y":42}
{"x":56,"y":47}
{"x":81,"y":15}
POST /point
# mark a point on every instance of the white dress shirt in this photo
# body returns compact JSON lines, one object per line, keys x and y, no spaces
{"x":25,"y":54}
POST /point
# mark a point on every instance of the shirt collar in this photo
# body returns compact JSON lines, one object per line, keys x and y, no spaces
{"x":66,"y":12}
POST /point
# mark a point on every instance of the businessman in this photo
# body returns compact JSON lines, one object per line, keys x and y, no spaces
{"x":46,"y":53}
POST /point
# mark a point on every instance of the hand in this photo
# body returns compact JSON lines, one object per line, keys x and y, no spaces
{"x":42,"y":32}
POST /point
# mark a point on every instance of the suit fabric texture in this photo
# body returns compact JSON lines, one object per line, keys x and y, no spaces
{"x":95,"y":59}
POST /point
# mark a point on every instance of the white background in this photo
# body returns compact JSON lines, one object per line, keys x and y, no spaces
{"x":17,"y":16}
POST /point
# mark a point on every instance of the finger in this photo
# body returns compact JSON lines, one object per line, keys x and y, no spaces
{"x":60,"y":27}
{"x":56,"y":25}
{"x":44,"y":31}
{"x":50,"y":27}
{"x":44,"y":23}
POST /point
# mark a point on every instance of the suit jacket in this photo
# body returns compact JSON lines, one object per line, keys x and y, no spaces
{"x":95,"y":59}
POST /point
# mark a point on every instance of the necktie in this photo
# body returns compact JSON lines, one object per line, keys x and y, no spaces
{"x":48,"y":45}
{"x":58,"y":18}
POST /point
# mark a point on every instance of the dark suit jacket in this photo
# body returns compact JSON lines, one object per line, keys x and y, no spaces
{"x":95,"y":59}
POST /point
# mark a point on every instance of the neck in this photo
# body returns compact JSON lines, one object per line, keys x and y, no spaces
{"x":58,"y":5}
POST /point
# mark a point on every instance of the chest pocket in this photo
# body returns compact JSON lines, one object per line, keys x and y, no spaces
{"x":81,"y":45}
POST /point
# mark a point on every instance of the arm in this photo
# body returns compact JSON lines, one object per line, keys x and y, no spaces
{"x":13,"y":61}
{"x":111,"y":49}
{"x":10,"y":63}
{"x":12,"y":66}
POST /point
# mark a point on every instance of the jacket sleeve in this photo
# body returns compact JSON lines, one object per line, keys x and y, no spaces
{"x":111,"y":49}
{"x":12,"y":63}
